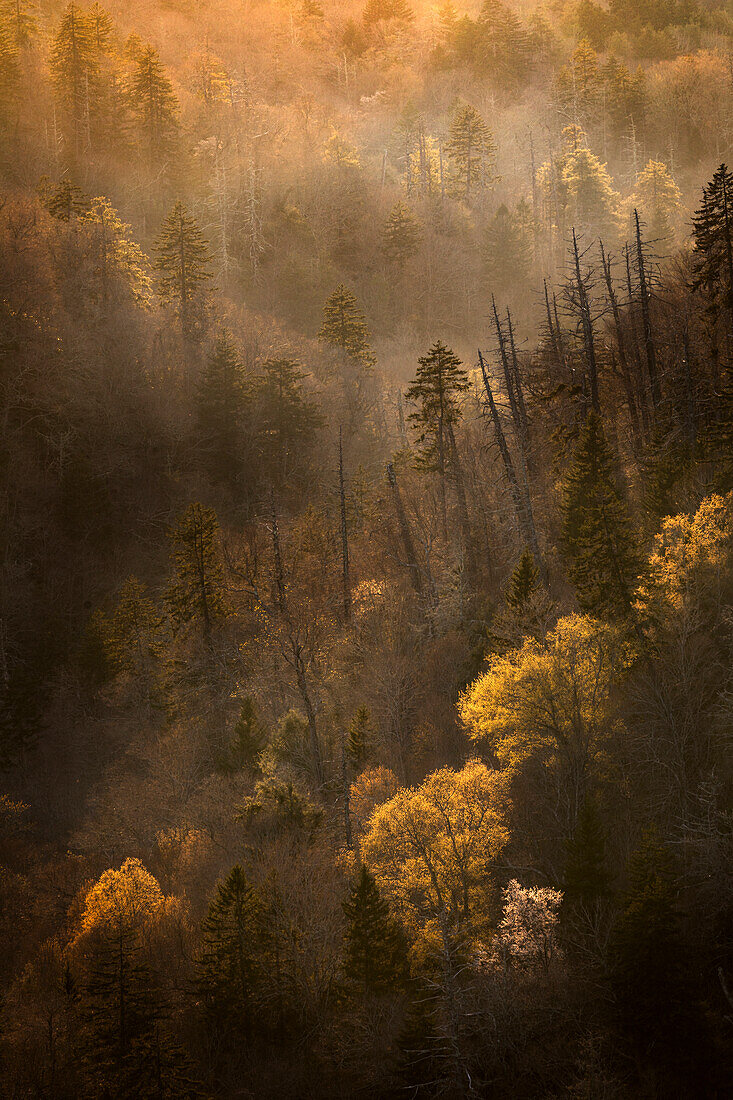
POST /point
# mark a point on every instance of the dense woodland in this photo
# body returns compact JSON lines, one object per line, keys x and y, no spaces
{"x":366,"y":520}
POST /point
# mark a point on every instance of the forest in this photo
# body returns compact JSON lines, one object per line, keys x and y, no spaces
{"x":366,"y":549}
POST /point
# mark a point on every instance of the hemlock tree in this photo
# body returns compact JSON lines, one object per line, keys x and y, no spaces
{"x":472,"y":150}
{"x":221,"y":408}
{"x":153,"y":105}
{"x":345,"y":328}
{"x":400,"y":236}
{"x":196,"y":592}
{"x":597,"y":536}
{"x":507,"y":250}
{"x":375,"y":958}
{"x":183,"y":263}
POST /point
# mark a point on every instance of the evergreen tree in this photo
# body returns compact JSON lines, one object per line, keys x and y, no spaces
{"x":153,"y":105}
{"x":287,"y":420}
{"x":386,"y":11}
{"x":507,"y":252}
{"x":712,"y":230}
{"x":592,"y":202}
{"x":401,"y":235}
{"x":222,"y":404}
{"x":597,"y":536}
{"x":75,"y":69}
{"x":586,"y":879}
{"x":578,"y":85}
{"x":9,"y":74}
{"x":646,"y":951}
{"x":196,"y":592}
{"x":523,"y":583}
{"x":233,"y":961}
{"x":360,"y":734}
{"x":659,"y":201}
{"x":375,"y":956}
{"x":183,"y":263}
{"x":471,"y":147}
{"x":436,"y":393}
{"x":249,"y":739}
{"x":132,"y":634}
{"x":344,"y":326}
{"x":101,"y":28}
{"x":64,"y":200}
{"x":19,"y":24}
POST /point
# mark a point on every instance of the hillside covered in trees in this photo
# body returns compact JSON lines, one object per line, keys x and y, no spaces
{"x":366,"y":521}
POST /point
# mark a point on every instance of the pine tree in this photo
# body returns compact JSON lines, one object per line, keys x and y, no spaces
{"x":345,"y":328}
{"x":586,"y":879}
{"x":471,"y":147}
{"x":196,"y":592}
{"x":183,"y":263}
{"x":153,"y":105}
{"x":221,"y":408}
{"x":401,"y":235}
{"x":360,"y":735}
{"x":375,"y":958}
{"x":233,"y":960}
{"x":597,"y":536}
{"x":523,"y":583}
{"x":101,"y":28}
{"x":76,"y":76}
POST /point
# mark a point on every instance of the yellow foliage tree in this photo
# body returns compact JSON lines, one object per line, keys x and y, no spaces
{"x":552,"y":702}
{"x":691,"y":562}
{"x":121,"y":901}
{"x":431,"y":847}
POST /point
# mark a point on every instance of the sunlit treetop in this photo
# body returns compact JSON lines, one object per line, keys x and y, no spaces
{"x":122,"y":900}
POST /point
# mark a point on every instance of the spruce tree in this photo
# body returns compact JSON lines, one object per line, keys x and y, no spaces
{"x":19,"y":24}
{"x":249,"y":739}
{"x":597,"y":536}
{"x":586,"y":879}
{"x":375,"y":959}
{"x":196,"y":591}
{"x":712,"y":231}
{"x":659,"y":200}
{"x":472,"y":150}
{"x":75,"y":69}
{"x":345,"y":328}
{"x":400,"y":236}
{"x":436,"y":392}
{"x":646,"y":951}
{"x":153,"y":106}
{"x":221,"y":409}
{"x":183,"y":264}
{"x":523,"y":583}
{"x":233,"y":960}
{"x":64,"y":200}
{"x":287,"y":420}
{"x":507,"y":251}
